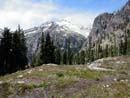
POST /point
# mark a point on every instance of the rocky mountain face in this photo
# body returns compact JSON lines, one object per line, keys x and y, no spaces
{"x":110,"y":26}
{"x":60,"y":32}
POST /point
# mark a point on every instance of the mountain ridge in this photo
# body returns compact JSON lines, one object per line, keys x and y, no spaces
{"x":109,"y":37}
{"x":107,"y":23}
{"x":65,"y":24}
{"x":60,"y":35}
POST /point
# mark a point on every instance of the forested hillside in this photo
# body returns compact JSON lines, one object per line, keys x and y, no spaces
{"x":110,"y":36}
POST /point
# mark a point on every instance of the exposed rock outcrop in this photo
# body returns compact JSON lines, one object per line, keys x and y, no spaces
{"x":113,"y":25}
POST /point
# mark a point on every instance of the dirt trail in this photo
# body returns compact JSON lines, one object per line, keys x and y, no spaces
{"x":96,"y":66}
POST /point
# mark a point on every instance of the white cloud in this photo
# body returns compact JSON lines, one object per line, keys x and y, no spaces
{"x":29,"y":14}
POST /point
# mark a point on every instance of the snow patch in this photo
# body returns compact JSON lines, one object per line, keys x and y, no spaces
{"x":30,"y":71}
{"x":76,"y":28}
{"x":40,"y":70}
{"x":1,"y":82}
{"x":51,"y":64}
{"x":63,"y":25}
{"x":19,"y":76}
{"x":20,"y":82}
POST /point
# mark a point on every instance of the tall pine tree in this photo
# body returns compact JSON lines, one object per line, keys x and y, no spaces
{"x":19,"y":49}
{"x":13,"y":51}
{"x":43,"y":51}
{"x":57,"y":56}
{"x":69,"y":54}
{"x":64,"y":57}
{"x":6,"y":49}
{"x":49,"y":50}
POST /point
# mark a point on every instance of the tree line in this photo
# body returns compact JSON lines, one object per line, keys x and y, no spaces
{"x":13,"y":51}
{"x":117,"y":47}
{"x":49,"y":53}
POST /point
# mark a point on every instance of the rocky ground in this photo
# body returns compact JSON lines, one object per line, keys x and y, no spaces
{"x":77,"y":81}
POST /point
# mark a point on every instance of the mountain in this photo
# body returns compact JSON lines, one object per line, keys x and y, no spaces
{"x":73,"y":27}
{"x":61,"y":32}
{"x":110,"y":28}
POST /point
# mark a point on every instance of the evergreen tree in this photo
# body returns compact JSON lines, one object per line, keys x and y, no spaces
{"x":64,"y":58}
{"x":57,"y":56}
{"x":13,"y":51}
{"x":1,"y":66}
{"x":90,"y":51}
{"x":82,"y":57}
{"x":36,"y":60}
{"x":16,"y":51}
{"x":111,"y":51}
{"x":128,"y":41}
{"x":42,"y":54}
{"x":33,"y":64}
{"x":6,"y":49}
{"x":96,"y":51}
{"x":99,"y":51}
{"x":106,"y":53}
{"x":128,"y":46}
{"x":19,"y":52}
{"x":115,"y":48}
{"x":125,"y":45}
{"x":23,"y":50}
{"x":49,"y":50}
{"x":77,"y":58}
{"x":121,"y":47}
{"x":92,"y":55}
{"x":69,"y":54}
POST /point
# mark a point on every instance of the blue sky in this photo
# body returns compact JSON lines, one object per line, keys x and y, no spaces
{"x":29,"y":13}
{"x":92,"y":5}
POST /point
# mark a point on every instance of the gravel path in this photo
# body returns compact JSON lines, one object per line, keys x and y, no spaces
{"x":96,"y":66}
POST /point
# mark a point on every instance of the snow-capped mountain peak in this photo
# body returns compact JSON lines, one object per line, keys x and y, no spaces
{"x":60,"y":33}
{"x":47,"y":24}
{"x":73,"y":27}
{"x":61,"y":25}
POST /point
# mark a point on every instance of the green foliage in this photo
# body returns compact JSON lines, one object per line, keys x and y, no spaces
{"x":13,"y":51}
{"x":69,"y":54}
{"x":36,"y":61}
{"x":77,"y":58}
{"x":42,"y":55}
{"x":21,"y":89}
{"x":128,"y":46}
{"x":57,"y":56}
{"x":19,"y":50}
{"x":48,"y":52}
{"x":5,"y":90}
{"x":6,"y":46}
{"x":64,"y":58}
{"x":82,"y":57}
{"x":70,"y":57}
{"x":97,"y":50}
{"x":60,"y":74}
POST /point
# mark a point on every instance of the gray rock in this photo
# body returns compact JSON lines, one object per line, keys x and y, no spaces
{"x":60,"y":35}
{"x":112,"y":24}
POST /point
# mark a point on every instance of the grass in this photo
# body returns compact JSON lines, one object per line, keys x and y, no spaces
{"x":115,"y":90}
{"x":75,"y":81}
{"x":87,"y":74}
{"x":7,"y":89}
